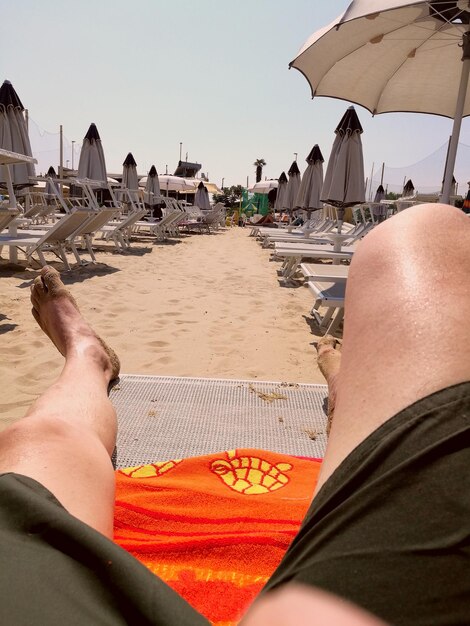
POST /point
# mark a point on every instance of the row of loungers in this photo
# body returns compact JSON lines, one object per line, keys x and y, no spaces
{"x":320,"y":252}
{"x":83,"y":223}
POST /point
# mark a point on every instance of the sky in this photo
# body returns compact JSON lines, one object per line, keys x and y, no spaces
{"x":209,"y":76}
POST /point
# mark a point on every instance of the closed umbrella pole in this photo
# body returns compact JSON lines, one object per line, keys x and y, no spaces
{"x":454,"y":142}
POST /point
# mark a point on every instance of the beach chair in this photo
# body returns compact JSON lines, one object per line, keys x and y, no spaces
{"x":88,"y":229}
{"x":7,"y":217}
{"x":120,"y":232}
{"x":292,"y":255}
{"x":330,"y":295}
{"x":53,"y":240}
{"x":325,"y":272}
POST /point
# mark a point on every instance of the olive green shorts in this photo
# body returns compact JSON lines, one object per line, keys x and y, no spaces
{"x":389,"y":531}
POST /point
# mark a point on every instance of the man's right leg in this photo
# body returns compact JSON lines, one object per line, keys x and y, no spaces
{"x":406,"y":328}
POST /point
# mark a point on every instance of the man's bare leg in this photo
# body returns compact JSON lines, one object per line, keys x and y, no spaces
{"x":406,"y":335}
{"x":67,"y":437}
{"x":406,"y":330}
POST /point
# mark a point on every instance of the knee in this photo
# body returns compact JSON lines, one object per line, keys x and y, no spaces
{"x":430,"y":231}
{"x":30,"y":432}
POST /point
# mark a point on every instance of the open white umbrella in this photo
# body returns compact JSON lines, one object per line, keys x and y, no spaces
{"x":396,"y":55}
{"x":92,"y":164}
{"x":130,"y":180}
{"x":344,"y":179}
{"x":201,"y":199}
{"x":308,"y":197}
{"x":264,"y":186}
{"x":168,"y":182}
{"x":14,"y":135}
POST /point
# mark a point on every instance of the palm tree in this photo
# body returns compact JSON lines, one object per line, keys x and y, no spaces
{"x":259,"y":164}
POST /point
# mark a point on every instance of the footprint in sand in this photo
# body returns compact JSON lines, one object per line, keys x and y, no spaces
{"x":158,"y":344}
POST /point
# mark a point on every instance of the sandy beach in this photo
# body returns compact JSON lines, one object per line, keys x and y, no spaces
{"x":204,"y":305}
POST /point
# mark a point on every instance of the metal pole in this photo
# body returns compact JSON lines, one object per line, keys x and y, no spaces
{"x":26,"y":117}
{"x":371,"y":177}
{"x":73,"y":149}
{"x":382,"y":177}
{"x":454,"y":142}
{"x":61,"y":158}
{"x":181,"y":148}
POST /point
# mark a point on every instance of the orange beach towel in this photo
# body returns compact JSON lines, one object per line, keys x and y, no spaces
{"x":214,"y":527}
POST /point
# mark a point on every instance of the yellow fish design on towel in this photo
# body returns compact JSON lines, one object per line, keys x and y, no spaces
{"x":152,"y":470}
{"x":250,"y":475}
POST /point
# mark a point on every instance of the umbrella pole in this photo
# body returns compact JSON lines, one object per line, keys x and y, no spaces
{"x":454,"y":142}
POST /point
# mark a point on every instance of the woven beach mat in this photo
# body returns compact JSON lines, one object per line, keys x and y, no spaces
{"x":166,"y":418}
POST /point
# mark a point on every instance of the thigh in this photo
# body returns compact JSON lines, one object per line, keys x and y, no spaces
{"x":389,"y":529}
{"x":406,"y":331}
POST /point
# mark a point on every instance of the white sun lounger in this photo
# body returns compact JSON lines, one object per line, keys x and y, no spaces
{"x":293,"y":254}
{"x":324,"y":272}
{"x":54,"y":239}
{"x":330,"y":295}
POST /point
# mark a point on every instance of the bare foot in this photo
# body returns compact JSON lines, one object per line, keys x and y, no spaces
{"x":57,"y":313}
{"x":329,"y":361}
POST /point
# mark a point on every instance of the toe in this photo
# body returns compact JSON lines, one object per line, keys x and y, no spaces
{"x":51,"y":279}
{"x":37,"y":290}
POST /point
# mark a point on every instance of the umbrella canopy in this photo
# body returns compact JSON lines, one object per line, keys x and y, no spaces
{"x":344,"y":179}
{"x":92,"y":164}
{"x":379,"y":194}
{"x":264,"y":186}
{"x":169,"y":182}
{"x":293,"y":186}
{"x":130,"y":180}
{"x":281,"y":193}
{"x":395,"y":55}
{"x":311,"y":185}
{"x":152,"y":187}
{"x":201,"y":199}
{"x":409,"y":188}
{"x":14,"y":135}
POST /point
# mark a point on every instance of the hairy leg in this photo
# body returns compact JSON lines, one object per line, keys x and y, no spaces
{"x":66,"y":439}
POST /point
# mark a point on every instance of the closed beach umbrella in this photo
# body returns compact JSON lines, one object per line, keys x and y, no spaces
{"x":293,"y":187}
{"x":201,"y":199}
{"x":379,"y":194}
{"x":130,"y":180}
{"x":281,"y":193}
{"x":152,"y":187}
{"x":92,"y":164}
{"x":152,"y":193}
{"x":311,"y":185}
{"x":408,"y":189}
{"x":344,"y":179}
{"x":396,"y":55}
{"x":49,"y":189}
{"x":14,"y":135}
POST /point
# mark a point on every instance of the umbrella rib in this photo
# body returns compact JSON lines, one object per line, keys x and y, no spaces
{"x":397,"y":69}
